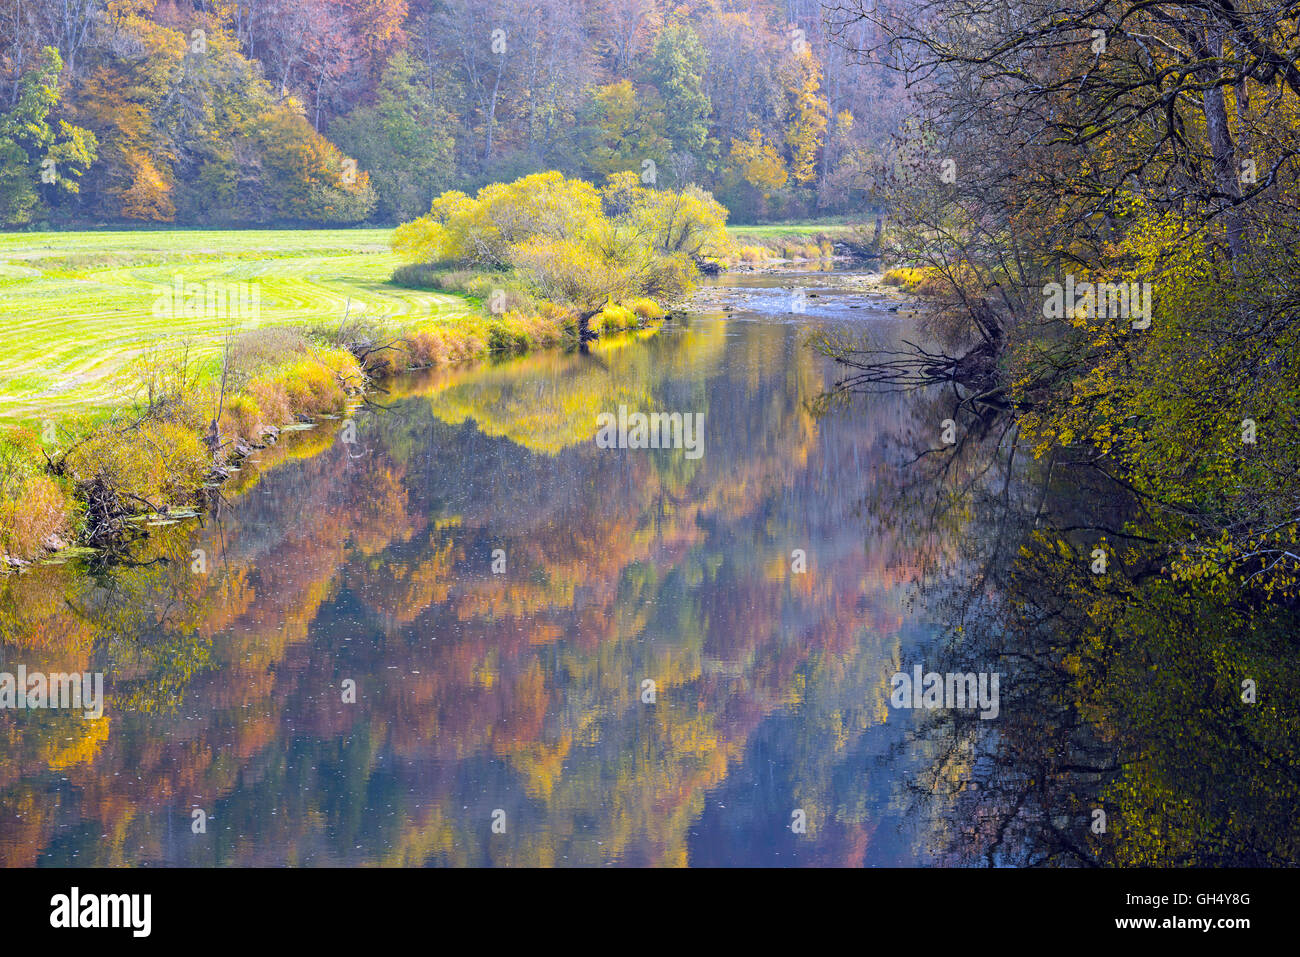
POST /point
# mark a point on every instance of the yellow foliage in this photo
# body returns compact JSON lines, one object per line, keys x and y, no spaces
{"x":806,"y":117}
{"x":919,"y":280}
{"x":758,"y":162}
{"x":482,"y":230}
{"x":31,"y":512}
{"x":614,"y":317}
{"x":645,"y":308}
{"x":570,"y":243}
{"x":157,"y":462}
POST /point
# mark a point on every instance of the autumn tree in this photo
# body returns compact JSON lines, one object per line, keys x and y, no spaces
{"x":805,"y":117}
{"x":624,"y":130}
{"x":1059,"y":147}
{"x":42,"y":159}
{"x":403,"y":141}
{"x":176,"y":92}
{"x":574,"y":244}
{"x":306,"y":178}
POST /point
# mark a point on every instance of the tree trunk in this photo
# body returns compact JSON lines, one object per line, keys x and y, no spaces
{"x":1222,"y":150}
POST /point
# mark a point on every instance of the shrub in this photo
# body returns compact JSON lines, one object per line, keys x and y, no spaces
{"x":646,"y":308}
{"x":156,"y":462}
{"x":242,"y":418}
{"x":297,"y":378}
{"x":272,"y":402}
{"x":503,"y":337}
{"x":556,"y":315}
{"x":420,"y":276}
{"x":481,"y":230}
{"x":613,"y":317}
{"x":32,"y":513}
{"x":33,"y":507}
{"x":925,"y":281}
{"x":313,"y":388}
{"x":20,"y":459}
{"x":555,"y":235}
{"x":668,"y":278}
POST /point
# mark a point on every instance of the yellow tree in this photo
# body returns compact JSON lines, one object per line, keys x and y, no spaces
{"x":806,"y":115}
{"x":758,"y":162}
{"x":626,"y":130}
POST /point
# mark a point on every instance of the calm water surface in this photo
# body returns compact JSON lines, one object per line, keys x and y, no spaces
{"x":226,"y":647}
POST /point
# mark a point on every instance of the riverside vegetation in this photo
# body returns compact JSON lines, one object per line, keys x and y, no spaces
{"x":141,"y":113}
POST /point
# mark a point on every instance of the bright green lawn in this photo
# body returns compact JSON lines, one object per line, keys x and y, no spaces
{"x":76,"y":308}
{"x":791,"y":229}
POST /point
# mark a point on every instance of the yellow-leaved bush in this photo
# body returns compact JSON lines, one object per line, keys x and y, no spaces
{"x":157,"y":462}
{"x":33,"y":507}
{"x":574,"y":245}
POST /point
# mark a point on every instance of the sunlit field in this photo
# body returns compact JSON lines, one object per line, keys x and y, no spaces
{"x":790,"y":229}
{"x":77,"y":308}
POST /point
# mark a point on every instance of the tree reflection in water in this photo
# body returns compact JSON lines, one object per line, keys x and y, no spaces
{"x":1123,"y":737}
{"x":520,"y":691}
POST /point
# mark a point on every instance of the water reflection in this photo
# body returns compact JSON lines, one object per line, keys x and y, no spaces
{"x":1134,"y":729}
{"x":519,"y":688}
{"x":480,"y":692}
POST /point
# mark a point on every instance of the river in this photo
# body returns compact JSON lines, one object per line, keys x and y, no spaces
{"x":454,"y":631}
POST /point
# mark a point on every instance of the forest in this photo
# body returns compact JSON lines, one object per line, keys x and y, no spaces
{"x":1102,"y":204}
{"x":337,"y":112}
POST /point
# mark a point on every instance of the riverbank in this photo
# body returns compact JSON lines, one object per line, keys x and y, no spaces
{"x":374,"y":561}
{"x":139,"y":366}
{"x":758,"y":246}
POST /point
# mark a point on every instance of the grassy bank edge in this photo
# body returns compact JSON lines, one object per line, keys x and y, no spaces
{"x":84,"y":480}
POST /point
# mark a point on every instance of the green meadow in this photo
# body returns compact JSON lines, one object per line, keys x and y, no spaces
{"x":77,"y":308}
{"x":780,"y":230}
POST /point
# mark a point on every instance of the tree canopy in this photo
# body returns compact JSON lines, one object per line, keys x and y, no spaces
{"x":193,"y":105}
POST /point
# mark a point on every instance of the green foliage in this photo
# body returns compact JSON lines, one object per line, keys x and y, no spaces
{"x":571,"y":243}
{"x":39,"y":155}
{"x":676,"y":69}
{"x":402,"y":141}
{"x":503,"y":338}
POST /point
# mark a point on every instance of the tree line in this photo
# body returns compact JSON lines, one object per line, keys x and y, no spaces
{"x":242,"y":112}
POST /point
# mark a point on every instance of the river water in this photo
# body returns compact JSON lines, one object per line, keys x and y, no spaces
{"x":500,"y":591}
{"x":458,"y":632}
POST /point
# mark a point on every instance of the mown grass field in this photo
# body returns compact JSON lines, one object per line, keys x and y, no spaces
{"x":77,"y":308}
{"x":741,"y":233}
